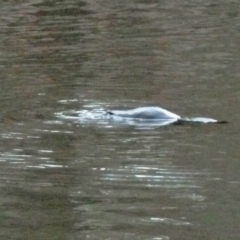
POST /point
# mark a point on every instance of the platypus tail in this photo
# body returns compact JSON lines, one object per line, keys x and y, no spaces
{"x":189,"y":121}
{"x":222,"y":121}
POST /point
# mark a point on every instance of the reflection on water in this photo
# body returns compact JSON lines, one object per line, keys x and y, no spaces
{"x":150,"y":176}
{"x":69,"y":173}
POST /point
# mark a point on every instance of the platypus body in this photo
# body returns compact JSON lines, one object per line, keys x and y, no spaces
{"x":159,"y":114}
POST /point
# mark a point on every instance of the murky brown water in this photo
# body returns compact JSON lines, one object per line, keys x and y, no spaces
{"x":93,"y":180}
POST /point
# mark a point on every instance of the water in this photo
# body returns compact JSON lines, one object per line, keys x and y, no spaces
{"x":78,"y":179}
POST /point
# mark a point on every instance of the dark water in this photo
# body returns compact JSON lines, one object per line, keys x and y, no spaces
{"x":80,"y":179}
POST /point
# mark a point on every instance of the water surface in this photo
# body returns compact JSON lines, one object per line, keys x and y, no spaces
{"x":74,"y":179}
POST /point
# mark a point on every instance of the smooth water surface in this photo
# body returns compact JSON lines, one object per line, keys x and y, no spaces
{"x":86,"y":178}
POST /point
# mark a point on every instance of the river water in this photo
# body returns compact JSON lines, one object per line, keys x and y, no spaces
{"x":82,"y":179}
